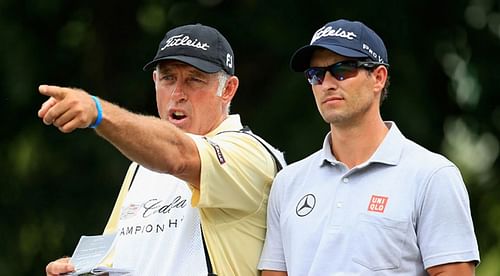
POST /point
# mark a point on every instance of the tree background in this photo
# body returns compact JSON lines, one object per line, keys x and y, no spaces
{"x":56,"y":187}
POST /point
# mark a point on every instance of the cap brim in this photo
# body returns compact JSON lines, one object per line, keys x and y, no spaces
{"x":200,"y":64}
{"x":301,"y":59}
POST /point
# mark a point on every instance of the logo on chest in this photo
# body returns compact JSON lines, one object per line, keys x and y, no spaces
{"x":152,"y":207}
{"x":305,"y":205}
{"x":377,"y":203}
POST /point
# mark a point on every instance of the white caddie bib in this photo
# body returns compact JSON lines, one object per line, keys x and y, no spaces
{"x":159,"y":232}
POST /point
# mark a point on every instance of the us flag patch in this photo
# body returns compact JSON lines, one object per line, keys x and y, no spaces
{"x":218,"y":151}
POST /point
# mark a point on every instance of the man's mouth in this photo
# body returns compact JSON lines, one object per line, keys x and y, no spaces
{"x":332,"y":99}
{"x":178,"y":115}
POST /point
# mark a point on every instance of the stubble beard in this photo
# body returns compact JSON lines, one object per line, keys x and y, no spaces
{"x":348,"y":116}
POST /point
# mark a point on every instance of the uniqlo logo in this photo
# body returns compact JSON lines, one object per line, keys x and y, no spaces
{"x":377,"y":203}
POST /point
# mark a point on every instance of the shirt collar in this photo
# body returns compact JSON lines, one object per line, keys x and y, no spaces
{"x":232,"y":122}
{"x":326,"y":155}
{"x":388,"y":152}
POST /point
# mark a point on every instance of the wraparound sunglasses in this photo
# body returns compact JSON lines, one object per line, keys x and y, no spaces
{"x":340,"y":70}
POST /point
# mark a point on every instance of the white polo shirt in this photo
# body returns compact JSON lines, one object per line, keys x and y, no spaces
{"x":402,"y":211}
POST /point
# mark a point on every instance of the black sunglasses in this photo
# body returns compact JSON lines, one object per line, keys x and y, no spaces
{"x":340,"y":70}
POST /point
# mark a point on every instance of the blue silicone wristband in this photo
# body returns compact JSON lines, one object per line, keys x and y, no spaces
{"x":98,"y":120}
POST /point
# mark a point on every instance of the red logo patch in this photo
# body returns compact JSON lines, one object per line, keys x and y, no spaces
{"x":377,"y":203}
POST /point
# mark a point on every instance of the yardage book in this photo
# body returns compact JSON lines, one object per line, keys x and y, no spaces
{"x":90,"y":252}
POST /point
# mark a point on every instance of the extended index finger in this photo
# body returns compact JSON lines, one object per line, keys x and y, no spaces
{"x":52,"y":91}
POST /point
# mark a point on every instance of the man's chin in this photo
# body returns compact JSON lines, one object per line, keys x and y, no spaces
{"x":182,"y":124}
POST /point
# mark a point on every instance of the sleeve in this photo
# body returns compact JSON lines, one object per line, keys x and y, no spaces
{"x":445,"y":230}
{"x":273,"y":255}
{"x":236,"y":172}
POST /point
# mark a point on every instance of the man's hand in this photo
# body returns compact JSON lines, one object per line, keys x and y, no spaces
{"x":67,"y":108}
{"x":59,"y":266}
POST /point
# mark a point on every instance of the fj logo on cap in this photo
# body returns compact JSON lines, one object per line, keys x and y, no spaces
{"x":329,"y":31}
{"x":377,"y":203}
{"x":229,"y":60}
{"x":185,"y":40}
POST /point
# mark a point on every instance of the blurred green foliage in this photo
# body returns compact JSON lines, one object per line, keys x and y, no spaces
{"x":55,"y":187}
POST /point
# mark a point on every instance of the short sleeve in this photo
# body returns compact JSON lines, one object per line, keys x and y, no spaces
{"x":236,"y":172}
{"x":273,"y":256}
{"x":445,"y":229}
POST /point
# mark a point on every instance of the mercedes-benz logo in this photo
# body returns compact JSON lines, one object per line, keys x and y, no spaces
{"x":306,"y":205}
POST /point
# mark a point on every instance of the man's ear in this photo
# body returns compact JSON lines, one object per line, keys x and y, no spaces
{"x":230,"y":89}
{"x":380,"y":73}
{"x":155,"y":76}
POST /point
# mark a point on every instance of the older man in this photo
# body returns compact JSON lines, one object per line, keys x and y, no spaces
{"x":196,"y":142}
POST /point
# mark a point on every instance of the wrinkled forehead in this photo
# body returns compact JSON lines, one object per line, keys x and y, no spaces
{"x":168,"y":65}
{"x":172,"y":65}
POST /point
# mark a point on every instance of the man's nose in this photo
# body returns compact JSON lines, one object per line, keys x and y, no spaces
{"x":178,"y":92}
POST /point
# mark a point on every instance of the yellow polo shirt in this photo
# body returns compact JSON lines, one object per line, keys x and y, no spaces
{"x":236,"y":176}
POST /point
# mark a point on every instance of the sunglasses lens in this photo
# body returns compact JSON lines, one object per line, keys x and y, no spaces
{"x":340,"y":71}
{"x":315,"y":75}
{"x":343,"y":71}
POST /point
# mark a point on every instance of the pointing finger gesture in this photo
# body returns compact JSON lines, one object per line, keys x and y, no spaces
{"x":67,"y":108}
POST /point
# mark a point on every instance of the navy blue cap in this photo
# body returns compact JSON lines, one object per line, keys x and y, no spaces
{"x":346,"y":38}
{"x":200,"y":46}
